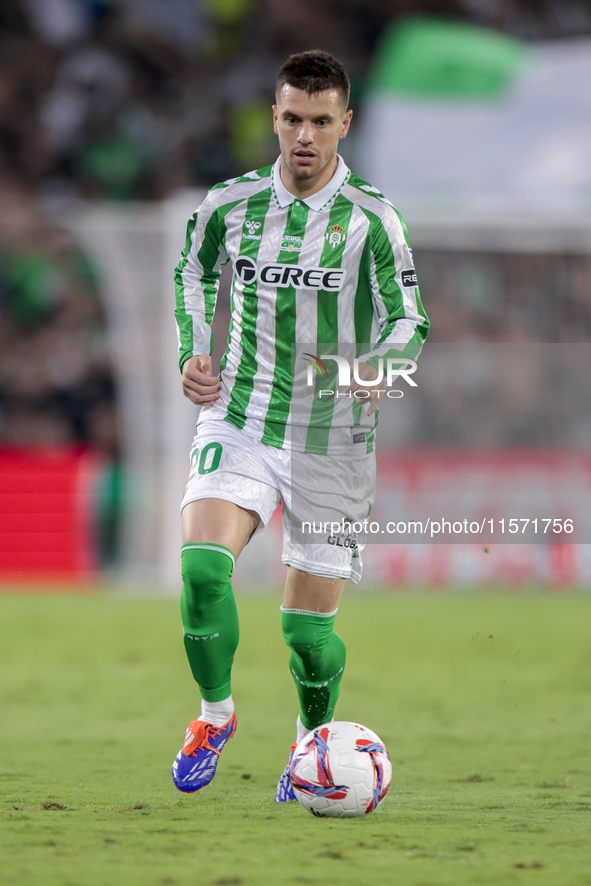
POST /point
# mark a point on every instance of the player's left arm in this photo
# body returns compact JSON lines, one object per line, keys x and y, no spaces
{"x":401,"y":322}
{"x":401,"y":319}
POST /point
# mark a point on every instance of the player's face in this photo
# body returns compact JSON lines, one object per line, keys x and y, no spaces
{"x":309,"y":128}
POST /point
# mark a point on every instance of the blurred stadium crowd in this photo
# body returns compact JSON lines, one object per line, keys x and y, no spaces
{"x":136,"y":99}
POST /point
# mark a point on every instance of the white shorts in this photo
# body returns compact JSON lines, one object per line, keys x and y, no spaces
{"x":322,"y":495}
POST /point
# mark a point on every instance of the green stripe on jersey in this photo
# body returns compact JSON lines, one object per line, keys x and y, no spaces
{"x":257,"y":207}
{"x":387,"y":285}
{"x":363,"y":316}
{"x":389,"y":289}
{"x":363,"y":310}
{"x":208,"y":257}
{"x":184,"y":320}
{"x":327,"y":309}
{"x":285,"y":320}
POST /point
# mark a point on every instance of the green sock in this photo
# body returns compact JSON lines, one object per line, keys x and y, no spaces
{"x":317,"y":663}
{"x":209,"y":616}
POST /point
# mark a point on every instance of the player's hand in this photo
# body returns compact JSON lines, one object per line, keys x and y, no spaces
{"x":199,"y":385}
{"x":366,"y":372}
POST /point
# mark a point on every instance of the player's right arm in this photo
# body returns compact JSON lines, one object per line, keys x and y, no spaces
{"x":197,"y":279}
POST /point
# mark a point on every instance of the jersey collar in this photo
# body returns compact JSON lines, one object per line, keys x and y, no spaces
{"x":320,"y":199}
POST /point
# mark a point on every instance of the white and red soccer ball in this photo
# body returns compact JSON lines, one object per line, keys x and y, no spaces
{"x":341,"y":770}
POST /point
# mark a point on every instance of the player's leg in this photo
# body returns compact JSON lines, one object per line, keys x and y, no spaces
{"x":319,"y":494}
{"x":230,"y":496}
{"x":215,"y":532}
{"x":318,"y":654}
{"x":325,"y":504}
{"x":317,"y":659}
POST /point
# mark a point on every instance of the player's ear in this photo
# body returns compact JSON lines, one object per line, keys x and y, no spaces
{"x":275,"y":119}
{"x":346,"y":123}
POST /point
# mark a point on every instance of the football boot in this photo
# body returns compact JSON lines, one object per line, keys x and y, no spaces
{"x":196,"y":762}
{"x":285,"y":791}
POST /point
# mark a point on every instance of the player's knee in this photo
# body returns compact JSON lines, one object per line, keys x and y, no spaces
{"x":206,"y":572}
{"x":206,"y":564}
{"x":307,"y":636}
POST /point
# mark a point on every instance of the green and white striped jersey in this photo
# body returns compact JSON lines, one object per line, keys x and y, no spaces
{"x":311,"y":277}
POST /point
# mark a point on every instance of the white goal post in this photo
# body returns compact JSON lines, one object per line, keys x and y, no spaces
{"x":135,"y":249}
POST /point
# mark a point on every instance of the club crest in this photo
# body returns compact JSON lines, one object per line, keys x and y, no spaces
{"x":335,"y":235}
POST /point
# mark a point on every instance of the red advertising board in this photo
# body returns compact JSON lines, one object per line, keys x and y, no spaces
{"x":522,"y":517}
{"x":47,"y":506}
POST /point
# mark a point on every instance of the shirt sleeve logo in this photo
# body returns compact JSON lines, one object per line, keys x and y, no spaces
{"x":335,"y":235}
{"x":409,"y":278}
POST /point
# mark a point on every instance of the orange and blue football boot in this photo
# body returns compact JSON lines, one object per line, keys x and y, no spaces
{"x":196,"y":762}
{"x":285,"y":791}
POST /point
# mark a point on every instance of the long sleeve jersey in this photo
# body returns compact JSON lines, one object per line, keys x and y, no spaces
{"x":331,"y":274}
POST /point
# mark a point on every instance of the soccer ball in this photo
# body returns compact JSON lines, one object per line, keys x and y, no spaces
{"x":341,"y":770}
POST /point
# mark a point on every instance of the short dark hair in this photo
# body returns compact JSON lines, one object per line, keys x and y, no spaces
{"x":314,"y":71}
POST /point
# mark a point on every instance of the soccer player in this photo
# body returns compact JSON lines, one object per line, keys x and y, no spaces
{"x":321,"y":260}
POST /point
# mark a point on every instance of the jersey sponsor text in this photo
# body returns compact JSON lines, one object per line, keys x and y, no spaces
{"x":275,"y":274}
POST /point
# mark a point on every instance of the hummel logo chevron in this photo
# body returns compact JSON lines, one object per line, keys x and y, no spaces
{"x":252,"y":226}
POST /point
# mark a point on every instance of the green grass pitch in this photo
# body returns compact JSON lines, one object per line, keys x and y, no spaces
{"x":484,"y":701}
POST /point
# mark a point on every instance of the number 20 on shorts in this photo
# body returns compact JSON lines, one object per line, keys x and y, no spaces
{"x":208,"y":461}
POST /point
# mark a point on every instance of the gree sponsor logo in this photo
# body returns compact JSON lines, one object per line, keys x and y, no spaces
{"x":276,"y":274}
